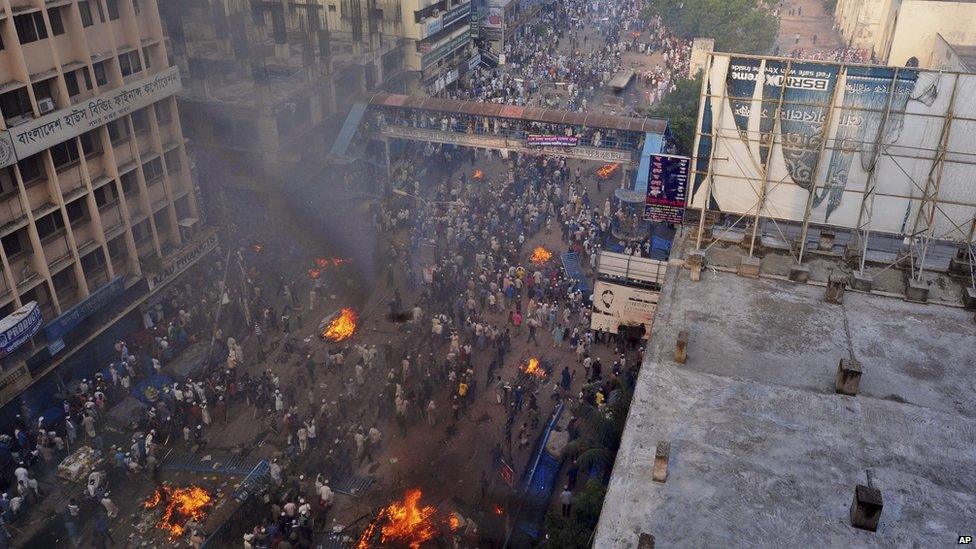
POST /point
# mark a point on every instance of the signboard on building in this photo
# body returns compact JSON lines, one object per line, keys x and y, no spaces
{"x":18,"y":327}
{"x":59,"y":126}
{"x":666,"y":185}
{"x":884,"y":149}
{"x":13,"y":381}
{"x":83,"y":309}
{"x":536,"y":140}
{"x":495,"y":19}
{"x":180,"y":262}
{"x":615,"y":305}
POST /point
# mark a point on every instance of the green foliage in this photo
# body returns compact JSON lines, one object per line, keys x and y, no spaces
{"x":738,"y":26}
{"x":680,"y":107}
{"x":576,"y":531}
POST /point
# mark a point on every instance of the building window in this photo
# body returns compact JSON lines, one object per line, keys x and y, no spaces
{"x":30,"y":169}
{"x":130,"y":184}
{"x":152,"y":170}
{"x":101,"y":77}
{"x":129,"y":63}
{"x":16,"y":104}
{"x":140,"y":120}
{"x":64,"y":283}
{"x":145,"y":57}
{"x":113,"y":9}
{"x":135,"y":7}
{"x":105,"y":195}
{"x":173,"y":163}
{"x":86,"y":14}
{"x":141,"y":232}
{"x":15,"y":243}
{"x":64,"y":154}
{"x":95,"y":261}
{"x":116,"y":248}
{"x":8,"y":181}
{"x":77,"y":212}
{"x":71,"y":81}
{"x":30,"y":27}
{"x":57,"y":26}
{"x":163,"y":113}
{"x":50,"y":225}
{"x":117,"y":131}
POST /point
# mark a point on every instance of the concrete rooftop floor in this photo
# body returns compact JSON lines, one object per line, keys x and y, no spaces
{"x":763,"y":452}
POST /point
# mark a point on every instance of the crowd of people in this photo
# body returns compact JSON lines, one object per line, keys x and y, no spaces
{"x":839,"y":55}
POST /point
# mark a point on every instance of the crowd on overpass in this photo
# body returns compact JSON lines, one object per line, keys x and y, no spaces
{"x":563,"y":53}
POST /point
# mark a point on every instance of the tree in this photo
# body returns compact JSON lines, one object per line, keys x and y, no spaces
{"x":738,"y":26}
{"x":576,"y":531}
{"x":680,"y":107}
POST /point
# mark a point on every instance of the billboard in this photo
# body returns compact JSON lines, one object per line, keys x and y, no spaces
{"x":18,"y":327}
{"x":667,"y":181}
{"x":536,"y":140}
{"x":616,"y":304}
{"x":889,"y":149}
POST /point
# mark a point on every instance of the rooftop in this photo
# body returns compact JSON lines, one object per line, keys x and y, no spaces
{"x":761,"y":446}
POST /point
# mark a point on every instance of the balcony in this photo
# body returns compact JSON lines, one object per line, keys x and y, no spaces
{"x":23,"y":271}
{"x":111,"y":215}
{"x":57,"y":251}
{"x":12,"y":213}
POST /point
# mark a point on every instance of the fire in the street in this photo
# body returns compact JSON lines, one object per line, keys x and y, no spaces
{"x":324,"y":262}
{"x":403,"y":522}
{"x":478,"y":175}
{"x":342,"y":327}
{"x":540,"y":255}
{"x":182,"y":505}
{"x":498,"y":510}
{"x":454,"y":522}
{"x":607,"y":170}
{"x":532,"y":368}
{"x":314,"y":273}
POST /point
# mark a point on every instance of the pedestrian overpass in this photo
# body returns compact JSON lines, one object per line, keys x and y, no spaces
{"x":628,"y":141}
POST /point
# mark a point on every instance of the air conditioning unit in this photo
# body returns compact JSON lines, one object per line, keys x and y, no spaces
{"x":45,"y":105}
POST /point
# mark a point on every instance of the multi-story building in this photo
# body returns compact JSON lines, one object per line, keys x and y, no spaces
{"x":96,"y":194}
{"x":914,"y":32}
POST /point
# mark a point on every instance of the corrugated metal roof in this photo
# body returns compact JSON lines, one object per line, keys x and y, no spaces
{"x":533,"y":114}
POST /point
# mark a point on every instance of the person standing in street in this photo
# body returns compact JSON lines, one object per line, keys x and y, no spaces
{"x":566,"y":499}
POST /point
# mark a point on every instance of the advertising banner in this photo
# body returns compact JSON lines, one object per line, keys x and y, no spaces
{"x":83,"y":309}
{"x":616,"y":304}
{"x":810,"y":136}
{"x":666,"y":184}
{"x":18,"y":327}
{"x":536,"y":140}
{"x":59,"y":126}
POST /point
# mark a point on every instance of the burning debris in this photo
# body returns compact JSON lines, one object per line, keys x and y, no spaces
{"x":314,"y":273}
{"x":342,"y":327}
{"x":607,"y":170}
{"x":478,"y":175}
{"x":540,"y":255}
{"x":324,"y":262}
{"x":180,"y":505}
{"x":403,"y":522}
{"x":532,"y":368}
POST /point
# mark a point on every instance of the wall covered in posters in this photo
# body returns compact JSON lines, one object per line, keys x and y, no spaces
{"x":616,"y":304}
{"x":825,"y":133}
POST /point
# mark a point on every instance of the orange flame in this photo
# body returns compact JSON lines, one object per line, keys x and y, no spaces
{"x":342,"y":327}
{"x":532,"y":368}
{"x":405,"y":522}
{"x":190,"y":503}
{"x":607,"y":170}
{"x":478,"y":175}
{"x":454,"y":521}
{"x":314,"y":273}
{"x":324,"y":262}
{"x":498,"y":510}
{"x":540,"y":255}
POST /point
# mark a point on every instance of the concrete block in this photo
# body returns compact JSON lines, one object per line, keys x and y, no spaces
{"x":747,"y":239}
{"x":852,"y":251}
{"x":800,"y":273}
{"x":917,"y":291}
{"x":826,"y":242}
{"x":848,"y":376}
{"x":645,"y":541}
{"x":661,"y":457}
{"x":835,"y":289}
{"x":695,"y":262}
{"x":960,"y":265}
{"x":681,"y":347}
{"x":866,"y":508}
{"x":969,"y":298}
{"x":862,"y":282}
{"x":749,"y":267}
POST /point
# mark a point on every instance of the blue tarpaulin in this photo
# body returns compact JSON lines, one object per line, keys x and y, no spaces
{"x":156,"y":382}
{"x":348,"y":130}
{"x":573,"y":269}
